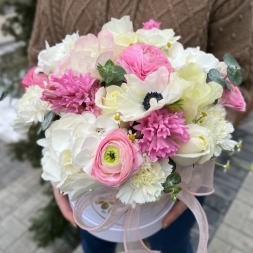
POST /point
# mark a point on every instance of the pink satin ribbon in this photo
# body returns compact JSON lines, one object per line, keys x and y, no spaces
{"x":197,"y":180}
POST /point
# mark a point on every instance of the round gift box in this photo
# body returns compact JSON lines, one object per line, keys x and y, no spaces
{"x":151,"y":216}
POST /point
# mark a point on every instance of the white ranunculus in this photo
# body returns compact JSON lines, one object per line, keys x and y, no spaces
{"x":200,"y":147}
{"x":49,"y":57}
{"x":30,"y":109}
{"x":69,"y":148}
{"x":130,"y":103}
{"x":146,"y":185}
{"x":106,"y":98}
{"x":221,"y":129}
{"x":162,"y":39}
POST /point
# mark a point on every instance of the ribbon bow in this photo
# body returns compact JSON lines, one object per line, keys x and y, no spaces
{"x":197,"y":180}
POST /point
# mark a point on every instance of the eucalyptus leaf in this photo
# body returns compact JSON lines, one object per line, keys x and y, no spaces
{"x":174,"y":177}
{"x":234,"y":75}
{"x":48,"y":119}
{"x":215,"y":76}
{"x":4,"y":95}
{"x":228,"y":85}
{"x":231,"y":61}
{"x":173,"y":164}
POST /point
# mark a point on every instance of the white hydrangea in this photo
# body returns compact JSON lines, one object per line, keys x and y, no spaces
{"x":221,"y":129}
{"x":49,"y":57}
{"x":30,"y":109}
{"x":146,"y":185}
{"x":69,"y":149}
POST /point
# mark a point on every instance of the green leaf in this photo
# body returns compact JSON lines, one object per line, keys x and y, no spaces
{"x":215,"y":76}
{"x":48,"y":119}
{"x":117,"y":83}
{"x":4,"y":95}
{"x":173,"y":164}
{"x":231,"y":61}
{"x":234,"y":75}
{"x":228,"y":85}
{"x":171,"y":180}
{"x":174,"y":178}
{"x":119,"y":73}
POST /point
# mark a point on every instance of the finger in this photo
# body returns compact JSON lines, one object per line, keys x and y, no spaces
{"x":174,"y":213}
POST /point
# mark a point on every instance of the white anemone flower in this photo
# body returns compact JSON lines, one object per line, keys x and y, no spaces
{"x":143,"y":97}
{"x":146,"y":185}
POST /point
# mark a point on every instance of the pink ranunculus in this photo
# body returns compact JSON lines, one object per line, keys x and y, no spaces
{"x":151,"y":24}
{"x":117,"y":158}
{"x":31,"y":78}
{"x":233,"y":98}
{"x":142,"y":60}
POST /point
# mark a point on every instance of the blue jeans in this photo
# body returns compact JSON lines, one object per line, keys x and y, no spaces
{"x":174,"y":239}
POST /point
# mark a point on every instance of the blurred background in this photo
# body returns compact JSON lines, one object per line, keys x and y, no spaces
{"x":30,"y":220}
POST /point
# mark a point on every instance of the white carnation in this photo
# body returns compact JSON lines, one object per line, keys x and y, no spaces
{"x":145,"y":186}
{"x":49,"y":57}
{"x":30,"y":109}
{"x":219,"y":126}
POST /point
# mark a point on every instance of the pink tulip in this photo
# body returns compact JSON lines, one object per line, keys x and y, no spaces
{"x":31,"y":78}
{"x":233,"y":98}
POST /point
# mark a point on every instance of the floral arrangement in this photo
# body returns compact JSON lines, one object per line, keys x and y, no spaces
{"x":124,"y":109}
{"x":128,"y":96}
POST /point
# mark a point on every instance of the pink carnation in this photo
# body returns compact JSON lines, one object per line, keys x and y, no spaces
{"x":151,"y":24}
{"x":142,"y":60}
{"x":71,"y":93}
{"x":31,"y":78}
{"x":117,"y":158}
{"x":233,"y":98}
{"x":161,"y":130}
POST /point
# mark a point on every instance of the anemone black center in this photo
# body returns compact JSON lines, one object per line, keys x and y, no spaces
{"x":149,"y":95}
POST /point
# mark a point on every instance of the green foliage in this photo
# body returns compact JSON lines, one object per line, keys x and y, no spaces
{"x":233,"y":73}
{"x":169,"y":185}
{"x":48,"y":119}
{"x":49,"y":224}
{"x":215,"y":76}
{"x":112,"y":74}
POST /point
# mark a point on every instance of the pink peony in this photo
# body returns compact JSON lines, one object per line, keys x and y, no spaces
{"x":71,"y":93}
{"x":142,"y":60}
{"x":31,"y":78}
{"x":117,"y":158}
{"x":161,"y":130}
{"x":151,"y":24}
{"x":233,"y":98}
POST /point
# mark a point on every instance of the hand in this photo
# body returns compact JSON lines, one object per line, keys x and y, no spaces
{"x":63,"y":203}
{"x":178,"y":208}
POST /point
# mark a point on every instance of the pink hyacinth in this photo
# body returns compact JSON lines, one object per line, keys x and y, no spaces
{"x":151,"y":24}
{"x":70,"y":93}
{"x":161,"y":130}
{"x":142,"y":60}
